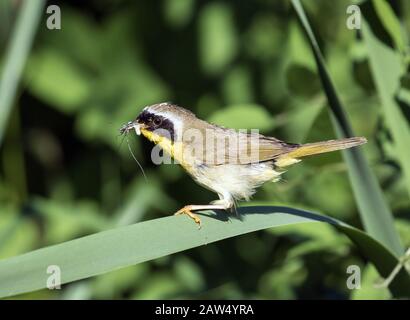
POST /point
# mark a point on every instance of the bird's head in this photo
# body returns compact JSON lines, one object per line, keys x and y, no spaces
{"x":160,"y":121}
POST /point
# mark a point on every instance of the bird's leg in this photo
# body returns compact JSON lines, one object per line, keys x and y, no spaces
{"x":188,"y":210}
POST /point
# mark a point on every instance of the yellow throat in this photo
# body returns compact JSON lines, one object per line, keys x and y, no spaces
{"x":173,"y":149}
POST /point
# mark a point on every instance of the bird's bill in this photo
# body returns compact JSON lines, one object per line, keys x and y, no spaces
{"x":132,"y":125}
{"x":137,"y":128}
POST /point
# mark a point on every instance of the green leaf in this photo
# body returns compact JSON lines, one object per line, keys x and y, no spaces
{"x":282,"y":283}
{"x":375,"y":214}
{"x":245,"y":116}
{"x":390,"y":22}
{"x":17,"y":234}
{"x":237,"y":86}
{"x":189,"y":274}
{"x":16,"y":56}
{"x":368,"y":290}
{"x":302,"y":81}
{"x":217,"y":34}
{"x":178,"y":12}
{"x":117,"y":248}
{"x":315,"y":239}
{"x":66,"y":220}
{"x":386,"y":67}
{"x":55,"y":78}
{"x":302,"y":119}
{"x":80,"y":38}
{"x":139,"y":198}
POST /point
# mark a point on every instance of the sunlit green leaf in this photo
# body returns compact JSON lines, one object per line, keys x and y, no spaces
{"x":243,"y":117}
{"x":387,"y":69}
{"x":217,"y":37}
{"x":368,"y":290}
{"x":390,"y":22}
{"x":16,"y":56}
{"x":109,"y":250}
{"x":374,"y":212}
{"x":178,"y":12}
{"x":57,"y":80}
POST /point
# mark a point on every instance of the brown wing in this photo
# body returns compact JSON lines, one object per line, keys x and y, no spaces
{"x":271,"y":148}
{"x":228,"y":146}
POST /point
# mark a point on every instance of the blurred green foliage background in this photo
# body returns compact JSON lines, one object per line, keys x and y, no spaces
{"x":243,"y":64}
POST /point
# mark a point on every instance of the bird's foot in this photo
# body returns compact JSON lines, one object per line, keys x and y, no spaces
{"x":187,"y":210}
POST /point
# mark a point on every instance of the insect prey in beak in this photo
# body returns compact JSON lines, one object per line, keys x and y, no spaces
{"x":124,"y":130}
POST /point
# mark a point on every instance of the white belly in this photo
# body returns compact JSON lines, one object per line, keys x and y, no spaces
{"x":235,"y":181}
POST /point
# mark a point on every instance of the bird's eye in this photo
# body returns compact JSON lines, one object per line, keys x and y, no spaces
{"x":157,"y":121}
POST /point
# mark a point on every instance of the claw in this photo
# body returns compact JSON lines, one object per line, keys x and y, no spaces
{"x":187,"y":210}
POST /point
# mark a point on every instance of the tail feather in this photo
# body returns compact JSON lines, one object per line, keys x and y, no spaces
{"x":309,"y":149}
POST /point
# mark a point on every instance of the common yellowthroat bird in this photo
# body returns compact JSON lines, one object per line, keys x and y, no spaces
{"x":231,"y":163}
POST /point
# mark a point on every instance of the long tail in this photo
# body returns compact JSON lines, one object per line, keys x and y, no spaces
{"x":309,"y":149}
